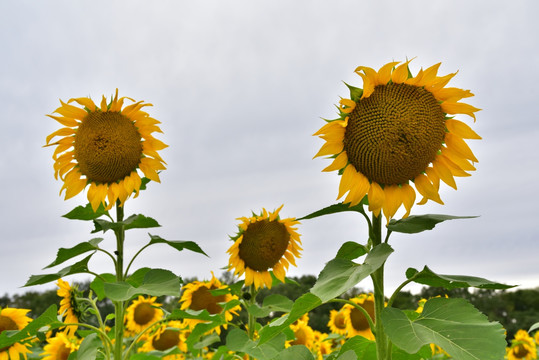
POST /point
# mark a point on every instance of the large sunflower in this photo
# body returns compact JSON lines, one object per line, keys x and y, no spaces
{"x":142,"y":313}
{"x":522,"y":347}
{"x":60,"y":346}
{"x":197,"y":295}
{"x":337,"y":322}
{"x":397,"y":130}
{"x":264,"y":242}
{"x":14,"y":319}
{"x":167,"y":336}
{"x":356,"y":323}
{"x":103,"y":146}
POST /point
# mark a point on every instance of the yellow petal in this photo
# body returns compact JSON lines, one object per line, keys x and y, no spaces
{"x":66,"y":121}
{"x":384,"y":74}
{"x":71,"y":111}
{"x":392,"y":200}
{"x":60,"y":132}
{"x":459,"y":160}
{"x":400,"y":74}
{"x":461,"y":129}
{"x":368,"y":86}
{"x":347,"y":179}
{"x":85,"y":101}
{"x":458,"y":145}
{"x":104,"y":106}
{"x":429,"y":75}
{"x":370,"y":73}
{"x":444,"y":173}
{"x":451,"y":94}
{"x":330,"y":148}
{"x":427,"y":189}
{"x":408,"y":198}
{"x":360,"y":186}
{"x":459,"y":108}
{"x":338,"y":163}
{"x":376,"y":198}
{"x":347,"y":105}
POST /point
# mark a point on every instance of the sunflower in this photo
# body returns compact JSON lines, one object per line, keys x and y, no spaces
{"x":167,"y":336}
{"x":103,"y":147}
{"x":60,"y":346}
{"x":522,"y":347}
{"x":356,"y":323}
{"x":14,"y":319}
{"x":397,"y":130}
{"x":69,"y":307}
{"x":197,"y":295}
{"x":321,"y":347}
{"x":264,"y":241}
{"x":337,"y":322}
{"x":142,"y":313}
{"x":304,"y":335}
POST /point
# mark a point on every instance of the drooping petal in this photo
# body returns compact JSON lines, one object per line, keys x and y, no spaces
{"x":338,"y":163}
{"x":459,"y":108}
{"x":461,"y":129}
{"x":458,"y":145}
{"x":376,"y":198}
{"x":392,"y":200}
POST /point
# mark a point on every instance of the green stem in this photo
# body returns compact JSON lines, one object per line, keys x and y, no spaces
{"x":251,"y":325}
{"x":119,"y":305}
{"x":382,"y":343}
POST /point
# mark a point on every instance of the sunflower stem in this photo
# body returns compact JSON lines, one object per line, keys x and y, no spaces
{"x":382,"y":346}
{"x":119,"y":305}
{"x":251,"y":325}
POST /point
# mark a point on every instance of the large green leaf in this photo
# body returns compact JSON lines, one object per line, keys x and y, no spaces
{"x":49,"y":317}
{"x":85,"y":212}
{"x":97,"y":284}
{"x":65,"y":254}
{"x":89,"y":347}
{"x":296,"y":352}
{"x":453,"y":324}
{"x":351,"y":250}
{"x":238,"y":340}
{"x":340,"y":275}
{"x":137,"y":221}
{"x":77,"y":268}
{"x":178,"y":245}
{"x":156,"y":282}
{"x":272,"y":303}
{"x":302,"y":305}
{"x":430,"y":278}
{"x":418,"y":223}
{"x":333,"y":209}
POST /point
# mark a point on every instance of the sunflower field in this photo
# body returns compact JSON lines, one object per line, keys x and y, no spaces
{"x":395,"y":138}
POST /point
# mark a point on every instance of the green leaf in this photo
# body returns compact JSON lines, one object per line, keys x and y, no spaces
{"x":534,"y":327}
{"x":178,"y":245}
{"x":296,"y":352}
{"x":333,"y":209}
{"x":157,"y":282}
{"x":351,"y":250}
{"x":140,"y":221}
{"x":65,"y":254}
{"x":88,"y":348}
{"x":97,"y":284}
{"x":453,"y":324}
{"x":302,"y":305}
{"x":77,"y":268}
{"x":355,"y":92}
{"x":274,"y":302}
{"x":49,"y":317}
{"x":430,"y":278}
{"x":418,"y":223}
{"x":137,"y":221}
{"x":339,"y":275}
{"x":85,"y":212}
{"x":238,"y":340}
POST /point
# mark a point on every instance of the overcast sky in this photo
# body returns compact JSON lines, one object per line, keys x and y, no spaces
{"x":240,"y":87}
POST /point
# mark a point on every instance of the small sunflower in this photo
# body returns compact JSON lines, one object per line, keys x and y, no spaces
{"x":356,"y":323}
{"x":103,"y":146}
{"x":142,"y":313}
{"x":167,"y":336}
{"x":197,"y":296}
{"x":69,"y":307}
{"x":304,"y":335}
{"x":321,"y":347}
{"x":60,"y":346}
{"x":14,"y":319}
{"x":522,"y":347}
{"x":337,"y":322}
{"x":397,"y":130}
{"x":264,"y":242}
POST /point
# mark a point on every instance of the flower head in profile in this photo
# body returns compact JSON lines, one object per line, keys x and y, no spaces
{"x":142,"y":313}
{"x":70,"y":309}
{"x":522,"y":347}
{"x":103,"y":147}
{"x":60,"y":346}
{"x":264,"y":242}
{"x":197,"y":295}
{"x":356,"y":322}
{"x":396,"y":131}
{"x":14,"y":319}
